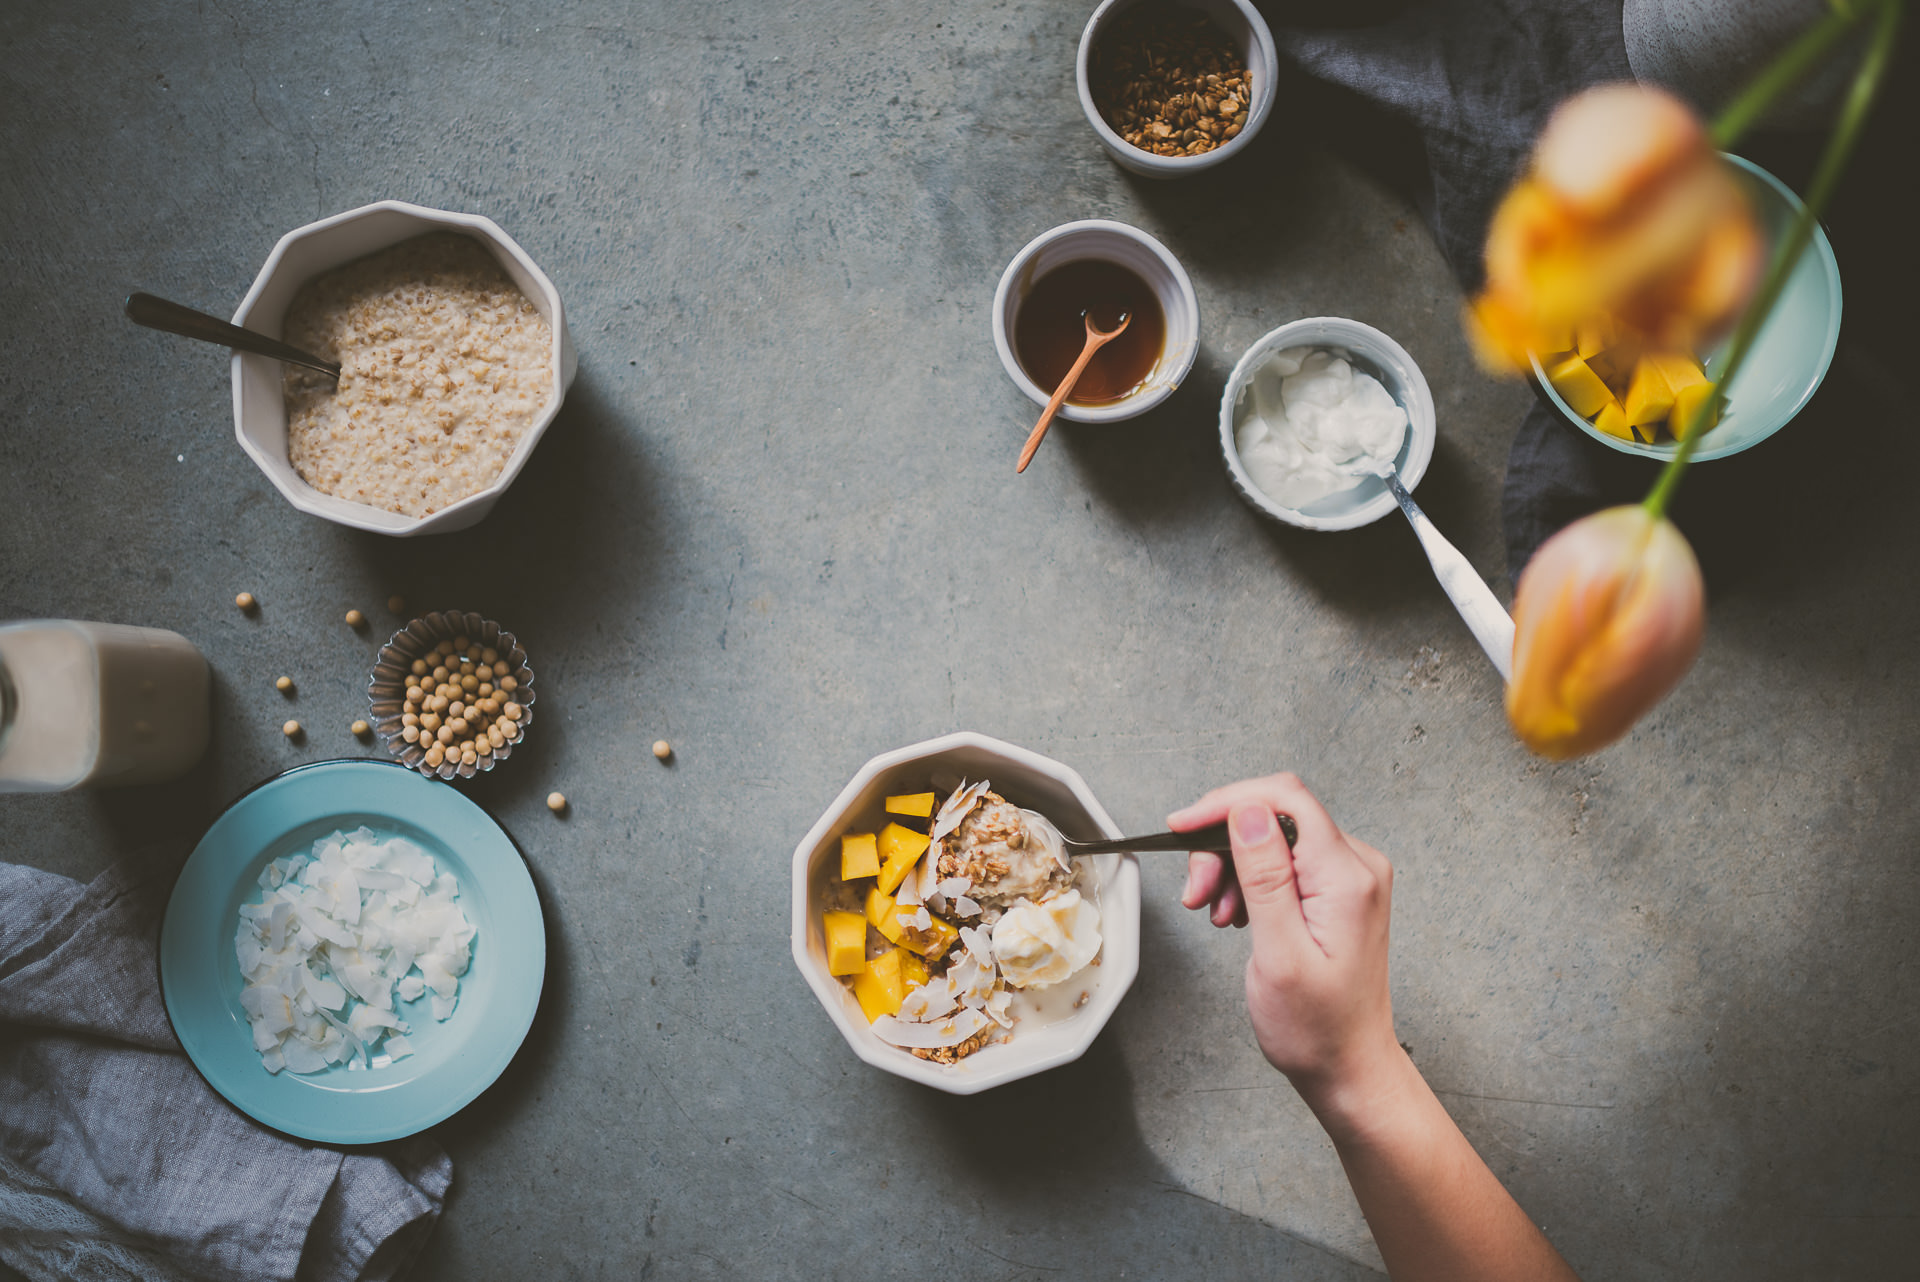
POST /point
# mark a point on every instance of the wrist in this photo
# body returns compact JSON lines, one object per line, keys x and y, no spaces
{"x":1362,"y":1093}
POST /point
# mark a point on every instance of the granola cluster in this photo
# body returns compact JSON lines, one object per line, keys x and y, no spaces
{"x":954,"y":1054}
{"x":1170,"y":82}
{"x":990,"y":849}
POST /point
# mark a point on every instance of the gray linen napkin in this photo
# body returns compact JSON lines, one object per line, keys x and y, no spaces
{"x":99,"y":1108}
{"x":1473,"y":81}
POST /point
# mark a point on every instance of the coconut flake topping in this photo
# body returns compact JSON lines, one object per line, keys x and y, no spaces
{"x":333,"y":937}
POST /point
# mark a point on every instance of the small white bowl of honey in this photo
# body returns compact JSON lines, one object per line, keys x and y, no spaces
{"x":1097,"y":269}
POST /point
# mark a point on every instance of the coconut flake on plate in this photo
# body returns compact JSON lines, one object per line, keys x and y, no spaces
{"x":332,"y":937}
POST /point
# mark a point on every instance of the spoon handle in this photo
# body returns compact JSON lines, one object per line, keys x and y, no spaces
{"x":1213,"y":837}
{"x":1481,"y":610}
{"x":1060,"y":394}
{"x":158,"y":313}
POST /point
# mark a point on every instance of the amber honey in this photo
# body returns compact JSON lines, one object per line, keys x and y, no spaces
{"x":1049,"y":332}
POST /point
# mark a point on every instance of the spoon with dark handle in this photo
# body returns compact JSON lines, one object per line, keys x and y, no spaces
{"x":1213,"y":837}
{"x":1096,"y":339}
{"x":158,"y":313}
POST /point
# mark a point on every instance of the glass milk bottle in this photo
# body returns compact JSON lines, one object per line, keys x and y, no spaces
{"x":98,"y":705}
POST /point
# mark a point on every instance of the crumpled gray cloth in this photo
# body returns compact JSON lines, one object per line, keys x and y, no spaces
{"x":1473,"y":81}
{"x":102,"y":1111}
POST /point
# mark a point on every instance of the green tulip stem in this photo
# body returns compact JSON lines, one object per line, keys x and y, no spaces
{"x":1794,"y":64}
{"x":1833,"y":163}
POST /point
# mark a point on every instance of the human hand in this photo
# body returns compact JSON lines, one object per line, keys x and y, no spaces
{"x":1317,"y":980}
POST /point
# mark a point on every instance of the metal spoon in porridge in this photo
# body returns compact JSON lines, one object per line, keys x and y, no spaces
{"x":158,"y":313}
{"x":1213,"y":837}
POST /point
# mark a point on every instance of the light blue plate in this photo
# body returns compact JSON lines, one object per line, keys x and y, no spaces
{"x":452,"y":1062}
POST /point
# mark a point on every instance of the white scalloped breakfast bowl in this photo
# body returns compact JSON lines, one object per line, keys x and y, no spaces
{"x":259,"y":404}
{"x":1024,"y":778}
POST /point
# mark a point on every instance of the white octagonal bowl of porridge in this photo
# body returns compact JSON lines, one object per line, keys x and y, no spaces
{"x":946,"y":933}
{"x":454,"y":357}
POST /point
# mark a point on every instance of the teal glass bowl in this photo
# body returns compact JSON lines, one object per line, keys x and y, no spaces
{"x":454,"y":1060}
{"x":1788,"y":359}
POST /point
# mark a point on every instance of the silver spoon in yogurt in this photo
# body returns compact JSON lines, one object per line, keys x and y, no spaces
{"x":158,"y":313}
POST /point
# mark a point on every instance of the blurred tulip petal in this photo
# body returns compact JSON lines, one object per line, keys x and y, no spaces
{"x":1625,"y":212}
{"x":1608,"y":617}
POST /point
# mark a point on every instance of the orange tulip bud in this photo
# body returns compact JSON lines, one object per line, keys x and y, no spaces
{"x":1607,"y":619}
{"x":1625,"y":212}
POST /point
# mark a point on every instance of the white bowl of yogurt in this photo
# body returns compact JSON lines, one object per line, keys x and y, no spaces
{"x":1314,"y":401}
{"x":1053,"y":1024}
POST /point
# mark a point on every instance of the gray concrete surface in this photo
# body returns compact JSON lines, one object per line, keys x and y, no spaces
{"x":1669,"y":991}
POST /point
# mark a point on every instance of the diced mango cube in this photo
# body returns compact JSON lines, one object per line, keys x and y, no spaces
{"x":914,"y":971}
{"x":933,"y":942}
{"x":897,"y":842}
{"x":882,"y":986}
{"x":1578,"y":385}
{"x":1613,"y":421}
{"x":1686,"y":403}
{"x":1615,"y":367}
{"x":1680,"y":370}
{"x":1556,"y":339}
{"x":884,"y":912}
{"x":917,"y":804}
{"x":900,"y":849}
{"x":1592,"y":337}
{"x":846,"y":943}
{"x":859,"y":855}
{"x":1649,"y":396}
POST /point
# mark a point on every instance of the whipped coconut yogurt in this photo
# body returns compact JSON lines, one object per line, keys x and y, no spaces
{"x":1039,"y":944}
{"x":1309,"y":421}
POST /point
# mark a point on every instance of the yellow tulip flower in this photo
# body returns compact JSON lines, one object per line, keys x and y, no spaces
{"x":1607,"y":618}
{"x":1625,"y":212}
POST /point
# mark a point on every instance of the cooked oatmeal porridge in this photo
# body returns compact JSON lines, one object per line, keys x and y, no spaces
{"x":444,"y":365}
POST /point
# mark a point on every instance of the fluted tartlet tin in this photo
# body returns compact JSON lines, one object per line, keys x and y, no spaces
{"x":387,"y":689}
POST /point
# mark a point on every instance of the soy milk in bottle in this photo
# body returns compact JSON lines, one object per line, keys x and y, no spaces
{"x":98,"y":705}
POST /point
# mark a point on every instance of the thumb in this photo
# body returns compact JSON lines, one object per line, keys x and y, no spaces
{"x":1264,"y":867}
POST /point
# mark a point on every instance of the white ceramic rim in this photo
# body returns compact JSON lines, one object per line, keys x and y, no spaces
{"x":1263,"y":60}
{"x":1176,"y":361}
{"x":360,"y":516}
{"x":1334,"y":331}
{"x":1822,"y":249}
{"x":1119,"y":966}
